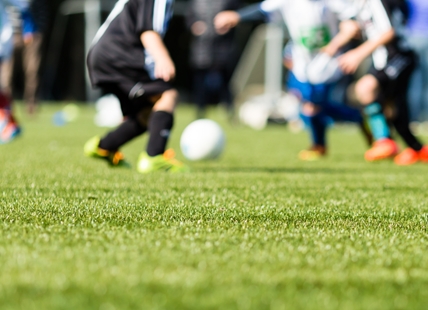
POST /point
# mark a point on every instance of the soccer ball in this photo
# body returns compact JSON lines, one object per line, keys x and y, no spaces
{"x":202,"y":139}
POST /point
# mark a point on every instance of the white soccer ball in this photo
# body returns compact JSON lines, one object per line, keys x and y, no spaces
{"x":202,"y":139}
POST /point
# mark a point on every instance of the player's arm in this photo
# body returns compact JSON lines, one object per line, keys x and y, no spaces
{"x":381,"y":15}
{"x":164,"y":66}
{"x":226,"y":20}
{"x":348,"y":30}
{"x":350,"y":61}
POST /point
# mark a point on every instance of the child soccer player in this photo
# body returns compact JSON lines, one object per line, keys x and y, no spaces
{"x":129,"y":59}
{"x":9,"y":128}
{"x":311,"y":25}
{"x":388,"y":78}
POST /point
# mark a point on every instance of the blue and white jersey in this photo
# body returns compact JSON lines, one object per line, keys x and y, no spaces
{"x":118,"y":41}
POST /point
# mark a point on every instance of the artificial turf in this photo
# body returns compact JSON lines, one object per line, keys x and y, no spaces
{"x":256,"y":229}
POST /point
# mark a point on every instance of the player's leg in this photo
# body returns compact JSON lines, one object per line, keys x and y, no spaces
{"x":31,"y":62}
{"x":344,"y":113}
{"x":368,"y":92}
{"x":107,"y":147}
{"x":317,"y":122}
{"x":160,"y":123}
{"x":9,"y":128}
{"x":415,"y":151}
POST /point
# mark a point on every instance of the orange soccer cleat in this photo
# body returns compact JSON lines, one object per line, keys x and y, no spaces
{"x":382,"y":149}
{"x":423,"y":154}
{"x":409,"y":156}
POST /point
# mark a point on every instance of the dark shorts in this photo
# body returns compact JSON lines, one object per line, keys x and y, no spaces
{"x":135,"y":96}
{"x":394,"y":78}
{"x":132,"y":85}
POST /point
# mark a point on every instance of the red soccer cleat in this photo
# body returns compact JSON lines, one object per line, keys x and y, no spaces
{"x":382,"y":149}
{"x":423,"y":154}
{"x":407,"y":157}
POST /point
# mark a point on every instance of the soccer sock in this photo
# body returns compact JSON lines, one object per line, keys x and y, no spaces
{"x":160,"y":125}
{"x":377,"y":121}
{"x":317,"y":125}
{"x":401,"y":124}
{"x":127,"y":131}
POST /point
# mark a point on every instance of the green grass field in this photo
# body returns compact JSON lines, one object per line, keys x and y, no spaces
{"x":256,"y":229}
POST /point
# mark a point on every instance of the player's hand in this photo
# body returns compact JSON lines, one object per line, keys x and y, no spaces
{"x":226,"y":20}
{"x":350,"y":61}
{"x":165,"y":70}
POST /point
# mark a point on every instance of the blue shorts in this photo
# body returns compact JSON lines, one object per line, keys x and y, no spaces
{"x":307,"y":92}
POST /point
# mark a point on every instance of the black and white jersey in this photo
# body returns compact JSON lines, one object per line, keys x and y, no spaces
{"x":375,"y":18}
{"x":117,"y":50}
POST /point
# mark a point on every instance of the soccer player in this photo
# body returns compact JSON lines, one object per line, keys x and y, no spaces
{"x":212,"y":56}
{"x":129,"y":59}
{"x":28,"y":31}
{"x":388,"y":78}
{"x":311,"y":25}
{"x":9,"y":128}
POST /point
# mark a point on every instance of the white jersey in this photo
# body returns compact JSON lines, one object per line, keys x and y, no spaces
{"x":6,"y":30}
{"x":311,"y":25}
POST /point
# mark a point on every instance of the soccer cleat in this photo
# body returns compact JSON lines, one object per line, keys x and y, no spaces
{"x":9,"y":129}
{"x":313,"y":154}
{"x":164,"y":162}
{"x":382,"y":149}
{"x":423,"y":154}
{"x":114,"y":159}
{"x":409,"y":156}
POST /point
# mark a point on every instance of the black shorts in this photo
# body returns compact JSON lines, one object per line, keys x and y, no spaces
{"x":135,"y":96}
{"x":394,"y":78}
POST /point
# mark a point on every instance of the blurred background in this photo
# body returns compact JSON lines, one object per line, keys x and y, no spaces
{"x":70,"y":26}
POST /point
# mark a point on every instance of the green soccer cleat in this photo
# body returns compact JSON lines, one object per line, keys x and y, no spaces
{"x":114,"y":159}
{"x":164,"y":162}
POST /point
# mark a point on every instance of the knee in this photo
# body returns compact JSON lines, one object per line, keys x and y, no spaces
{"x":309,"y":109}
{"x":167,"y":101}
{"x":367,"y":89}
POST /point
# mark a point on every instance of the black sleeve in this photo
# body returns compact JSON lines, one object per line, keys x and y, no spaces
{"x":142,"y":11}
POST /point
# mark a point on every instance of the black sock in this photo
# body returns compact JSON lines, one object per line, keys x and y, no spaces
{"x":160,"y":124}
{"x":127,"y":131}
